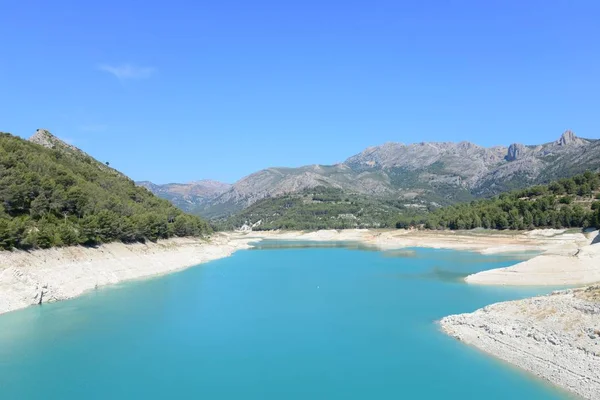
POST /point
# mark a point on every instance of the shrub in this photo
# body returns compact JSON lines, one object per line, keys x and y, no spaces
{"x":566,"y":200}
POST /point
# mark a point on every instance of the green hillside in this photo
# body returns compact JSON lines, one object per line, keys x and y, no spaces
{"x":318,"y":208}
{"x":60,"y":196}
{"x":566,"y":203}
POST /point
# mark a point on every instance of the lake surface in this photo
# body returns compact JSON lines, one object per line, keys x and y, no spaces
{"x":272,"y":323}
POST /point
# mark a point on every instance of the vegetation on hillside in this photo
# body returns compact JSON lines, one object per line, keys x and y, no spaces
{"x":566,"y":203}
{"x":60,"y":197}
{"x":317,"y":208}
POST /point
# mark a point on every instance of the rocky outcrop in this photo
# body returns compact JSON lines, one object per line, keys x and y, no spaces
{"x":44,"y":138}
{"x":568,"y":138}
{"x":515,"y":152}
{"x":555,"y":337}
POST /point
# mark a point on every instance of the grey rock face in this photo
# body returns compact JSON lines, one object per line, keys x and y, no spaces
{"x":44,"y":138}
{"x":568,"y":138}
{"x":515,"y":151}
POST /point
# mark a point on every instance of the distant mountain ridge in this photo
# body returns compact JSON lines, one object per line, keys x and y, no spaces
{"x":436,"y":173}
{"x":190,"y":197}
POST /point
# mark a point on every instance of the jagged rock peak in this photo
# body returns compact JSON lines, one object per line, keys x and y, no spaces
{"x":568,"y":138}
{"x":515,"y":151}
{"x":44,"y":138}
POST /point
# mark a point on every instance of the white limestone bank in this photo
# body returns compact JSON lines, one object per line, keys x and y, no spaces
{"x":556,"y":337}
{"x":479,"y":240}
{"x":558,"y":266}
{"x":28,"y":278}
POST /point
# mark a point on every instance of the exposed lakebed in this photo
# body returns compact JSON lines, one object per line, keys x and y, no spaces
{"x":285,"y":321}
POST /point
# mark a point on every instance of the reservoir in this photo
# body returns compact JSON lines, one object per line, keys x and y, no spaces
{"x":282,"y":321}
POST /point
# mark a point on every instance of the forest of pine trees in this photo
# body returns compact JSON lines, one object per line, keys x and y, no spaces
{"x":566,"y":203}
{"x":52,"y":197}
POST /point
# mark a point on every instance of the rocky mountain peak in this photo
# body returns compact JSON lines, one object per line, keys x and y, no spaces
{"x":43,"y":137}
{"x":568,"y":138}
{"x":515,"y":151}
{"x":464,"y":145}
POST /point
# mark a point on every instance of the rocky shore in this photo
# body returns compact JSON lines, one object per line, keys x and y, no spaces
{"x":480,"y":240}
{"x":28,"y":278}
{"x":39,"y":276}
{"x":558,"y":266}
{"x":556,"y":337}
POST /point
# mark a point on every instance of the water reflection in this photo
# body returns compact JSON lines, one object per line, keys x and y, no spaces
{"x":443,"y":265}
{"x":307,"y":244}
{"x":436,"y":274}
{"x":412,"y":252}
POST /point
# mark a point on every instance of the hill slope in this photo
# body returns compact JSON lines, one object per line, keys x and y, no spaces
{"x":566,"y":203}
{"x":53,"y":194}
{"x":319,"y":208}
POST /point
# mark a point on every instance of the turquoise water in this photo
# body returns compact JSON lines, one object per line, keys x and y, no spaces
{"x":274,"y":323}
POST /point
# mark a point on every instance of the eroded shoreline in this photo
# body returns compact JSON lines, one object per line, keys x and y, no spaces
{"x":29,"y":278}
{"x":555,"y":337}
{"x":40,"y":276}
{"x":566,"y":258}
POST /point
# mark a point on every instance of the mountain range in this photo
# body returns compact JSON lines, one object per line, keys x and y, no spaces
{"x":422,"y":174}
{"x":190,"y":197}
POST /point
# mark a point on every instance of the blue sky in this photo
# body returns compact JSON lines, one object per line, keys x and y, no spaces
{"x":183,"y":90}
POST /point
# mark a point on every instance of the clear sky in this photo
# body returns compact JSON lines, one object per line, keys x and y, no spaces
{"x":173,"y":91}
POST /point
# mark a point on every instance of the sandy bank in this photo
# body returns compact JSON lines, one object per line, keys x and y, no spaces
{"x":567,"y":259}
{"x":28,"y":278}
{"x":573,"y":263}
{"x":484,"y":241}
{"x":556,"y":337}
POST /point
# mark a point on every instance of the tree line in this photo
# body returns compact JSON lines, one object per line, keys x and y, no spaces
{"x":565,"y":203}
{"x":312,"y":209}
